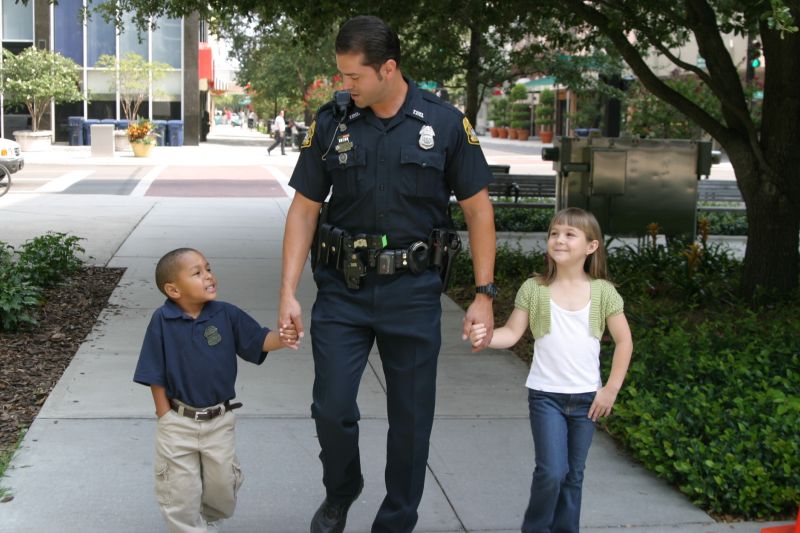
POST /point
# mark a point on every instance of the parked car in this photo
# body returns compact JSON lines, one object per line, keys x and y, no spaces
{"x":11,"y":156}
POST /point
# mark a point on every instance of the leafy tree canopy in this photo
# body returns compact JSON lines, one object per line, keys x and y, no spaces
{"x":35,"y":78}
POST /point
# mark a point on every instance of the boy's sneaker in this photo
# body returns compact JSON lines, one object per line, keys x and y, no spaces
{"x":332,"y":517}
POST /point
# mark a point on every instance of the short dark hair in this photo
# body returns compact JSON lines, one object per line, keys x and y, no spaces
{"x":370,"y":36}
{"x":167,"y":267}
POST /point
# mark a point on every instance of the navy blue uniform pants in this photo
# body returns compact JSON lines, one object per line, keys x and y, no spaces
{"x":402,"y":313}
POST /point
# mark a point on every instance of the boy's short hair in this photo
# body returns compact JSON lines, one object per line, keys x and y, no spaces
{"x":167,"y":267}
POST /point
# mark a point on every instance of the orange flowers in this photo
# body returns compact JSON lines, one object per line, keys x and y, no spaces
{"x":143,"y":132}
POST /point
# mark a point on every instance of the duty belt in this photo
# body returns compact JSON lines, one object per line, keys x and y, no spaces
{"x":355,"y":255}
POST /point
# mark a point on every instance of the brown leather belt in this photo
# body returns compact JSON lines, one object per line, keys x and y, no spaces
{"x":203,"y":414}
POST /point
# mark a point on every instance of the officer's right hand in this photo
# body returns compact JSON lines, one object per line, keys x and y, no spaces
{"x":290,"y":315}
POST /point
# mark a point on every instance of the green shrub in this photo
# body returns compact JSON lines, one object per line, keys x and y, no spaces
{"x":17,"y":295}
{"x":713,"y":407}
{"x":727,"y":223}
{"x":512,"y":218}
{"x":40,"y":263}
{"x":48,"y":259}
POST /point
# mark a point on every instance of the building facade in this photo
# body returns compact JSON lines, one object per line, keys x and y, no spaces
{"x":62,"y":28}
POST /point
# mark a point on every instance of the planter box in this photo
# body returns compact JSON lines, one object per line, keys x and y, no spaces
{"x":141,"y":149}
{"x":34,"y":141}
{"x":121,"y":142}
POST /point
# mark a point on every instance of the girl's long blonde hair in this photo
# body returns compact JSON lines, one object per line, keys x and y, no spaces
{"x":595,"y":264}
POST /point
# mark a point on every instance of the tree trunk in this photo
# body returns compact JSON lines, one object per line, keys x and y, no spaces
{"x":771,"y":259}
{"x":771,"y":184}
{"x":473,"y":73}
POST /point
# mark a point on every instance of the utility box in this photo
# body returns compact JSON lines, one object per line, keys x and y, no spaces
{"x":631,"y":183}
{"x":102,"y":139}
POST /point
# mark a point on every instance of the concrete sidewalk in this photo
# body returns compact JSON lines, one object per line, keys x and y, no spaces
{"x":86,"y":464}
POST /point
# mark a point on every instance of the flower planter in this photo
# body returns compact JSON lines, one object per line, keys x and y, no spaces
{"x":121,"y":142}
{"x":34,"y":141}
{"x":493,"y":132}
{"x":512,"y":133}
{"x":523,"y":134}
{"x":502,"y":132}
{"x":141,"y":149}
{"x":546,"y":136}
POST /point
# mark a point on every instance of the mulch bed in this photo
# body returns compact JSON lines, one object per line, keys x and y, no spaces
{"x":32,"y":361}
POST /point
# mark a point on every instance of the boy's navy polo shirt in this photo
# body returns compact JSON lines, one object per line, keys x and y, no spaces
{"x":195,"y":359}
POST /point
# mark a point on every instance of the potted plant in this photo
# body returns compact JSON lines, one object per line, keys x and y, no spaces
{"x":495,"y":115}
{"x":132,"y":77}
{"x":520,"y":112}
{"x":142,"y":135}
{"x":36,"y":78}
{"x":500,"y":108}
{"x":544,"y":115}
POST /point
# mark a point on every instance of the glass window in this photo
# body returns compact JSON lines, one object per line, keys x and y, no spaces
{"x":102,"y":85}
{"x":69,"y":29}
{"x":129,"y":39}
{"x":17,"y":21}
{"x":167,"y":42}
{"x":101,"y":39}
{"x":168,"y":88}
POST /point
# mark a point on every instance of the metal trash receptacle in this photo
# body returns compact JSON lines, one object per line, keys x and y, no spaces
{"x":630,"y":183}
{"x":87,"y":130}
{"x":175,"y":132}
{"x":75,"y":128}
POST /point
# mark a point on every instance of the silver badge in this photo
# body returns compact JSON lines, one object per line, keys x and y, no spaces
{"x":426,"y":137}
{"x":342,"y":127}
{"x":212,"y":335}
{"x":343,"y":159}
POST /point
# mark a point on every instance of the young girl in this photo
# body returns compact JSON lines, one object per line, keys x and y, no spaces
{"x":567,"y":309}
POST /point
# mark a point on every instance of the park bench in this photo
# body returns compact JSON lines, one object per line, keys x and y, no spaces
{"x":719,"y":191}
{"x":506,"y":190}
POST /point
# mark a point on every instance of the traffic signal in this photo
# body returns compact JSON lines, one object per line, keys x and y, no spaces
{"x":754,"y":54}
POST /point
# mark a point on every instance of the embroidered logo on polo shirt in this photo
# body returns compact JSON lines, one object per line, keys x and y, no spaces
{"x":420,"y":114}
{"x":212,"y":335}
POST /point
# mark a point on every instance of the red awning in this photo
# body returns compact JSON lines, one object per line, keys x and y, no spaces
{"x":205,"y":69}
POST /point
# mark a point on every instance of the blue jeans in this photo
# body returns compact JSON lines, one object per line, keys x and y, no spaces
{"x":562,"y":434}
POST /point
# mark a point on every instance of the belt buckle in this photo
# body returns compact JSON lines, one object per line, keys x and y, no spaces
{"x":198,"y":414}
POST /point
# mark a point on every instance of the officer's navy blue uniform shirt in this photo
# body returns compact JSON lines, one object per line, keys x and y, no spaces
{"x":194,"y":362}
{"x":384,"y":181}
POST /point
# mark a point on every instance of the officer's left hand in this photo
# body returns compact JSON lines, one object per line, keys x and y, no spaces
{"x":479,"y":312}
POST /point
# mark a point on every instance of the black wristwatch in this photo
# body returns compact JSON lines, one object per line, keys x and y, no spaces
{"x":490,"y":290}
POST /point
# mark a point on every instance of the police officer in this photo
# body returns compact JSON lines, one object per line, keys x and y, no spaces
{"x":391,"y":160}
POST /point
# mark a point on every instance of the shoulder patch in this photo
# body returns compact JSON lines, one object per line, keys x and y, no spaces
{"x":472,"y":138}
{"x":309,"y":135}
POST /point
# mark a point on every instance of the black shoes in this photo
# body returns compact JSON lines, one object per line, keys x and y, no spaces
{"x":331,"y":517}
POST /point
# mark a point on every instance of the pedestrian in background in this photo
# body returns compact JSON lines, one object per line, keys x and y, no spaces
{"x":278,"y":127}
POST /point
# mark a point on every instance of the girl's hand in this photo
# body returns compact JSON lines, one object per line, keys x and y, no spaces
{"x":602,"y":404}
{"x":476,"y":334}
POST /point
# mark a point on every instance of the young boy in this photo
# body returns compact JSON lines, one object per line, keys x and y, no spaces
{"x":188,"y":360}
